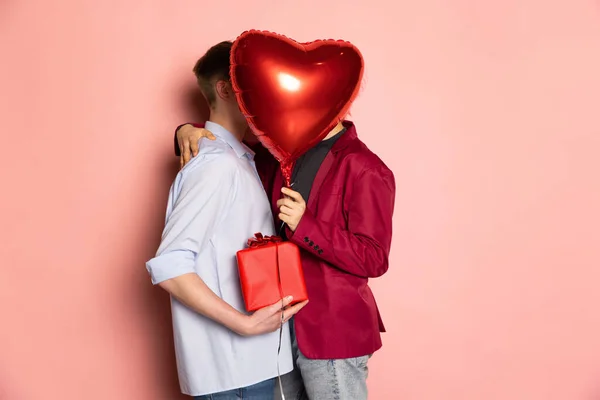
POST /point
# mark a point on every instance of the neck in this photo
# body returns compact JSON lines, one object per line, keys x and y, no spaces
{"x":338,"y":128}
{"x":238,"y":129}
{"x":250,"y":138}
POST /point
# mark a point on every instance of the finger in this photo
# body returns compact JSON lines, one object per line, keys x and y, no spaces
{"x":284,"y":218}
{"x":288,"y":316}
{"x":286,"y":210}
{"x":180,"y":146}
{"x":208,"y":134}
{"x":286,"y":202}
{"x":293,"y":194}
{"x":276,"y":308}
{"x":293,"y":310}
{"x":185,"y":152}
{"x":286,"y":301}
{"x":194,"y":147}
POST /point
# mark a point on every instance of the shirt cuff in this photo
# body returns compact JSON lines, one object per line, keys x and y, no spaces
{"x":171,"y":265}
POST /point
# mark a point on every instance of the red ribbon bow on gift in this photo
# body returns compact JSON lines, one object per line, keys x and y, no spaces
{"x":260,"y":240}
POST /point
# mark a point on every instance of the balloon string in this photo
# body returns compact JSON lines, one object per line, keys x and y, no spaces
{"x":282,"y":319}
{"x":287,"y":178}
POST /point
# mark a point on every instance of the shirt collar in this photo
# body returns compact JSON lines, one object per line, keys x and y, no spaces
{"x":228,"y":137}
{"x":328,"y":143}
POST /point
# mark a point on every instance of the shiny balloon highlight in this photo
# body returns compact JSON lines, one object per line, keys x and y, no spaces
{"x":293,"y":94}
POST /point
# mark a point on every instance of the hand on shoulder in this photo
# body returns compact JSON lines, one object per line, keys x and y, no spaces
{"x":188,"y":137}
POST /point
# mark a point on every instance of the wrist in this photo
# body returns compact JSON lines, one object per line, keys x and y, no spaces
{"x":299,"y":229}
{"x":298,"y":222}
{"x":241,"y":325}
{"x":289,"y":233}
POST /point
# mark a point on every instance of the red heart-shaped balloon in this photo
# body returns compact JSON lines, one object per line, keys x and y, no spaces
{"x":293,"y":94}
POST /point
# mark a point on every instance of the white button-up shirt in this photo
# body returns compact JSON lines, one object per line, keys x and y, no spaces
{"x":216,"y":204}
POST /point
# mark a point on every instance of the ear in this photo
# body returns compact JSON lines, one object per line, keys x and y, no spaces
{"x":224,"y":90}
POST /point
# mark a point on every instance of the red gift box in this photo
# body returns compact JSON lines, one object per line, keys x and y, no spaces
{"x":270,"y":269}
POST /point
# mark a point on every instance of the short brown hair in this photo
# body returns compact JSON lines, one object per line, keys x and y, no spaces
{"x":212,"y":67}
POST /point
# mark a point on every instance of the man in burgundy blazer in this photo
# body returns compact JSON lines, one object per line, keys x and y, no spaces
{"x":340,"y":215}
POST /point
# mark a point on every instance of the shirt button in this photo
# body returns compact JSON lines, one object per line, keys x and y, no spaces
{"x":311,"y":243}
{"x":306,"y":239}
{"x":316,"y":247}
{"x":320,"y":251}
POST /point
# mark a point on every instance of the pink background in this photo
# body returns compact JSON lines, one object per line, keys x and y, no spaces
{"x":487,"y":111}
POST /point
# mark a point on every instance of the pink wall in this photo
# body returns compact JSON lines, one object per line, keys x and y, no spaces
{"x":486,"y":111}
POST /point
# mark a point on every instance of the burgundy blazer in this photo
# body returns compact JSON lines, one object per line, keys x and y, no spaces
{"x":345,"y":237}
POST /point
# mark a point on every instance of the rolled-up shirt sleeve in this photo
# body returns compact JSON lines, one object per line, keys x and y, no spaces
{"x":197,"y":203}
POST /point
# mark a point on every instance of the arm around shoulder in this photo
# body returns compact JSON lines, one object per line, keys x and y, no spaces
{"x":198,"y":202}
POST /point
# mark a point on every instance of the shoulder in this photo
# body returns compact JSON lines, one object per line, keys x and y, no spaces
{"x":365,"y":162}
{"x":216,"y":161}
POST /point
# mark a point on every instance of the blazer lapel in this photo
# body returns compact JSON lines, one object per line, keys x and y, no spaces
{"x":326,"y":165}
{"x":319,"y":179}
{"x":328,"y":162}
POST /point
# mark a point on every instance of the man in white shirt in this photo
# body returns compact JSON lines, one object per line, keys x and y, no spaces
{"x":215,"y":205}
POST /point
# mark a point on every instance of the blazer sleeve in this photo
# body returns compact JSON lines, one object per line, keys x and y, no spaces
{"x":361,"y":247}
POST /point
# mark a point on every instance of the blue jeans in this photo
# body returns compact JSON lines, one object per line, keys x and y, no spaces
{"x":261,"y":391}
{"x":342,"y":379}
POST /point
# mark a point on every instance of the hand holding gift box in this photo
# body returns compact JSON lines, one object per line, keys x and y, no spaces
{"x":269,"y":270}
